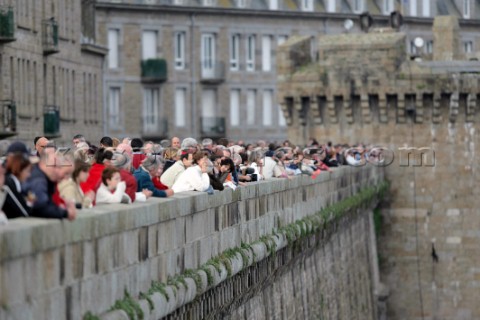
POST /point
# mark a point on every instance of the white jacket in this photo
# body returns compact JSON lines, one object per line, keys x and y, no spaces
{"x":106,"y":196}
{"x":192,"y":180}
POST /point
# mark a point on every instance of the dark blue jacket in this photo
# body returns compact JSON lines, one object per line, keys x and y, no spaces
{"x":145,"y":182}
{"x":43,"y":188}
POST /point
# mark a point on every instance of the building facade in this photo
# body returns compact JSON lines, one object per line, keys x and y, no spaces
{"x":208,"y":68}
{"x":51,"y":71}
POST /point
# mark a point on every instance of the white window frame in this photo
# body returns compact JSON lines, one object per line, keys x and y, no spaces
{"x":250,"y":56}
{"x":235,"y":52}
{"x":251,"y":107}
{"x":466,"y":9}
{"x":282,"y":122}
{"x":241,"y":3}
{"x":468,"y":46}
{"x":429,"y":47}
{"x":273,"y":4}
{"x":114,"y":94}
{"x":413,"y":8}
{"x":208,"y":54}
{"x":151,"y":109}
{"x":147,"y":36}
{"x":281,"y":39}
{"x":179,"y":50}
{"x":426,"y":8}
{"x":113,"y":48}
{"x":180,"y":108}
{"x":358,"y":6}
{"x":235,"y":107}
{"x":307,"y":5}
{"x":388,"y":6}
{"x":179,"y":2}
{"x":267,"y":107}
{"x":331,"y":6}
{"x":208,"y":3}
{"x":266,"y":53}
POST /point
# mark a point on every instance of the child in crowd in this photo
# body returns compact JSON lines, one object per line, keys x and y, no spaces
{"x":112,"y":189}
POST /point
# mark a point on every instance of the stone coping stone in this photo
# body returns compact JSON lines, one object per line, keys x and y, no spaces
{"x":22,"y":237}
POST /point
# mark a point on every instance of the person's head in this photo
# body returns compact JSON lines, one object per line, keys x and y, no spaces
{"x":103,"y":156}
{"x":207,"y":144}
{"x":176,"y":143}
{"x":153,"y":164}
{"x":136,"y":144}
{"x":199,"y":157}
{"x":81,"y":171}
{"x":189,"y":144}
{"x":171,"y":154}
{"x":227,"y":165}
{"x":106,"y":142}
{"x":77,"y":139}
{"x":48,"y":162}
{"x":227,"y":153}
{"x":120,"y":161}
{"x":111,"y":177}
{"x":18,"y":164}
{"x":41,"y":144}
{"x":148,"y":147}
{"x":126,"y":149}
{"x":126,"y":140}
{"x":186,"y":158}
{"x":116,"y":142}
{"x":222,"y":142}
{"x":64,"y":163}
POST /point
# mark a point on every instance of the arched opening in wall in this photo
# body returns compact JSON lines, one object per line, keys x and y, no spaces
{"x":410,"y":108}
{"x":445,"y":105}
{"x":356,"y":109}
{"x":289,"y":107}
{"x":391,"y":105}
{"x":322,"y":105}
{"x":427,"y":105}
{"x":339,"y":112}
{"x":374,"y":108}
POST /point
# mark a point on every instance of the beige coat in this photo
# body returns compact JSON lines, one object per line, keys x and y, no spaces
{"x":69,"y":190}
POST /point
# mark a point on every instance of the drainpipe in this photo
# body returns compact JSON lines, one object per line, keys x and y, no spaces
{"x":104,"y":97}
{"x":193,"y":100}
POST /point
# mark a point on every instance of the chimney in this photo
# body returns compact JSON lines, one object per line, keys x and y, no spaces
{"x":446,"y":39}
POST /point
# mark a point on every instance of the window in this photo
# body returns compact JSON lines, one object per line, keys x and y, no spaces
{"x":180,"y":109}
{"x":208,"y":3}
{"x":273,"y":4}
{"x":331,"y":5}
{"x":235,"y":108}
{"x":468,"y":46}
{"x":179,"y":2}
{"x":251,"y":53}
{"x":307,"y":5}
{"x":149,"y":44}
{"x":282,"y":39}
{"x":209,"y":103}
{"x":387,"y":6}
{"x":429,"y":47}
{"x":113,"y":48}
{"x":267,"y":107}
{"x":266,"y":53}
{"x":151,"y":104}
{"x":251,"y":107}
{"x":114,"y":107}
{"x":235,"y":52}
{"x":241,"y":3}
{"x":282,"y":122}
{"x":466,"y":9}
{"x":358,"y":6}
{"x":208,"y":54}
{"x":180,"y":50}
{"x":426,"y":8}
{"x":413,"y":8}
{"x":413,"y":49}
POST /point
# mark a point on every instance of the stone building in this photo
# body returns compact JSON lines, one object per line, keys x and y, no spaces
{"x":422,"y":112}
{"x":209,"y":68}
{"x":51,"y":70}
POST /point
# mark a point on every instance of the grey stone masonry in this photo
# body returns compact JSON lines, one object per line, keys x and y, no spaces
{"x":51,"y":269}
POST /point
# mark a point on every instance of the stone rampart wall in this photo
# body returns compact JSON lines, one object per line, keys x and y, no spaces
{"x":60,"y":270}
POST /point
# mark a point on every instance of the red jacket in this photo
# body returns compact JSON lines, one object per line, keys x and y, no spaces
{"x":137,"y":159}
{"x":131,"y":183}
{"x":159,"y":185}
{"x":94,"y":179}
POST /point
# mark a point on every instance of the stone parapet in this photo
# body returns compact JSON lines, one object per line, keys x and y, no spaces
{"x":52,"y":269}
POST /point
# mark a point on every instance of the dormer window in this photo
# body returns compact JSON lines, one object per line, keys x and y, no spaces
{"x":273,"y":4}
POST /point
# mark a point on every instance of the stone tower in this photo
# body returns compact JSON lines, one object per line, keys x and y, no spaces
{"x":365,"y":88}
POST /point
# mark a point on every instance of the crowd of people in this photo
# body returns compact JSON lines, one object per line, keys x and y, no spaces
{"x":54,"y":182}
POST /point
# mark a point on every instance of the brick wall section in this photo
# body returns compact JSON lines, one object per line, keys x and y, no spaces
{"x":60,"y":270}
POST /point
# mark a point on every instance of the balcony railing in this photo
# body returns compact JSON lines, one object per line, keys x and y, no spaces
{"x":154,"y":129}
{"x":51,"y":121}
{"x":154,"y":70}
{"x":212,"y":71}
{"x":212,"y":127}
{"x":8,"y":124}
{"x":50,"y":36}
{"x":7,"y":24}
